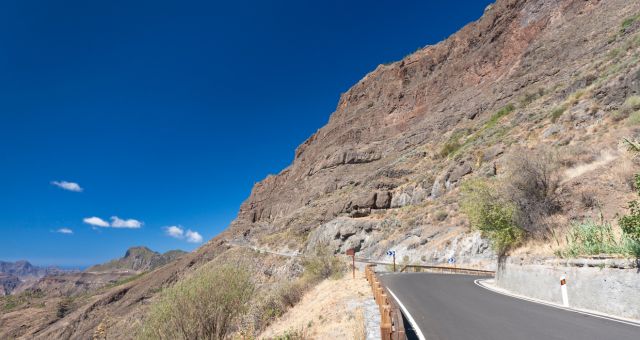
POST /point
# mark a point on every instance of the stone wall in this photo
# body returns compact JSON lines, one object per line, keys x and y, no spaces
{"x":610,"y":286}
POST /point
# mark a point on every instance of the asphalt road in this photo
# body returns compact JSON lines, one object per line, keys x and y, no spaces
{"x":453,"y":307}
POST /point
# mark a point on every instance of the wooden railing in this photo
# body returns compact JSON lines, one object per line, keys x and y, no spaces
{"x":391,"y":318}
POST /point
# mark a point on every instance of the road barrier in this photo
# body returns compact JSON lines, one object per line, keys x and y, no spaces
{"x":449,"y":270}
{"x":391,"y":318}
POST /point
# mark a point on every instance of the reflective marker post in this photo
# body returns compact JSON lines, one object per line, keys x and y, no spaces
{"x":563,"y":289}
{"x":393,"y":253}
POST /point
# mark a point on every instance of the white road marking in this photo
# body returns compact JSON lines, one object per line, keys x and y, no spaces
{"x":409,"y":317}
{"x":479,"y":283}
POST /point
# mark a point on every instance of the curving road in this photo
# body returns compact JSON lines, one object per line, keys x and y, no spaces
{"x":453,"y":307}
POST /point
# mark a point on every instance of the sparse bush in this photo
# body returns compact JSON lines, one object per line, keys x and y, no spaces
{"x":323,"y":265}
{"x":63,"y":307}
{"x":619,"y":115}
{"x":634,"y":118}
{"x":491,"y":214}
{"x":499,"y":114}
{"x":291,"y":293}
{"x":589,"y":199}
{"x":449,"y":148}
{"x":630,"y":109}
{"x":441,"y":215}
{"x":291,"y":335}
{"x":630,"y":223}
{"x":530,"y":185}
{"x":628,"y":22}
{"x":557,"y":112}
{"x":529,"y":97}
{"x":205,"y":306}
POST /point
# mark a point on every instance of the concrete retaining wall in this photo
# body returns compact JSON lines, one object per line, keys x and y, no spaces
{"x":605,"y":285}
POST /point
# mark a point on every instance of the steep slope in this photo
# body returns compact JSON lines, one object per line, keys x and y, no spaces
{"x":138,"y":259}
{"x":380,"y":170}
{"x":385,"y":171}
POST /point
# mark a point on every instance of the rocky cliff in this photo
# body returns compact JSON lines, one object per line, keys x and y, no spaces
{"x":385,"y":171}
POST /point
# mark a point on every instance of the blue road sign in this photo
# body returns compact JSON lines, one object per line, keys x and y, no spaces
{"x":391,"y":252}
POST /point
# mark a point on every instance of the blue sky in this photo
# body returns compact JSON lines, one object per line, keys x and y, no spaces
{"x":167,"y":112}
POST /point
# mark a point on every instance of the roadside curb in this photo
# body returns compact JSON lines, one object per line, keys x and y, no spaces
{"x":489,"y":284}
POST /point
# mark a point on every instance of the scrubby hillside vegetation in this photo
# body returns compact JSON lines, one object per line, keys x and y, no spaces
{"x":506,"y":138}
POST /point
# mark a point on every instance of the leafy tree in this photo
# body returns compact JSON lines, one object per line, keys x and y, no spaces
{"x":490,"y":213}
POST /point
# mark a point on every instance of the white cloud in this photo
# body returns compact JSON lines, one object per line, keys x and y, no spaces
{"x":64,"y":231}
{"x":179,"y":233}
{"x":174,"y":231}
{"x":193,"y":237}
{"x":130,"y":223}
{"x":71,"y":186}
{"x":96,"y":221}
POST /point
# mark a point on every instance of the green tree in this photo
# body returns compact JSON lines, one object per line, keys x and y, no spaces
{"x":490,"y":213}
{"x":630,"y":223}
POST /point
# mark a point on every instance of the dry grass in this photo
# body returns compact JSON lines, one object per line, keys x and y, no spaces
{"x":328,"y":311}
{"x":359,"y":328}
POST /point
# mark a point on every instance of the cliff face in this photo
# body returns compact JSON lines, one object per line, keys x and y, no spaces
{"x":382,"y":147}
{"x":385,"y":171}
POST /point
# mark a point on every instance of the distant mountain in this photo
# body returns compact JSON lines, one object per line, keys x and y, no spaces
{"x":8,"y":283}
{"x":138,"y":259}
{"x":15,"y":274}
{"x":24,"y":269}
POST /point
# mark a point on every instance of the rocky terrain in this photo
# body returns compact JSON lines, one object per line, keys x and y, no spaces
{"x":15,"y":275}
{"x":385,"y":171}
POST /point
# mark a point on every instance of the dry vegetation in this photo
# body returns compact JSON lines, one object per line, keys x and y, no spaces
{"x":219,"y":300}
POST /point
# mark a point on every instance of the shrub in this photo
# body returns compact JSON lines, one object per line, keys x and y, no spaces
{"x":557,"y":112}
{"x":630,"y":223}
{"x":634,"y":118}
{"x":499,"y":114}
{"x":63,"y":307}
{"x":449,"y":148}
{"x":628,"y":22}
{"x":628,"y":108}
{"x":530,"y":185}
{"x":441,"y":215}
{"x":204,"y":306}
{"x":529,"y":97}
{"x":590,"y":238}
{"x":323,"y":265}
{"x":488,"y":212}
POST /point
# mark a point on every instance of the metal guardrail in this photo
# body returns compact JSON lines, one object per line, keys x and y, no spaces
{"x":391,"y":318}
{"x":450,"y":270}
